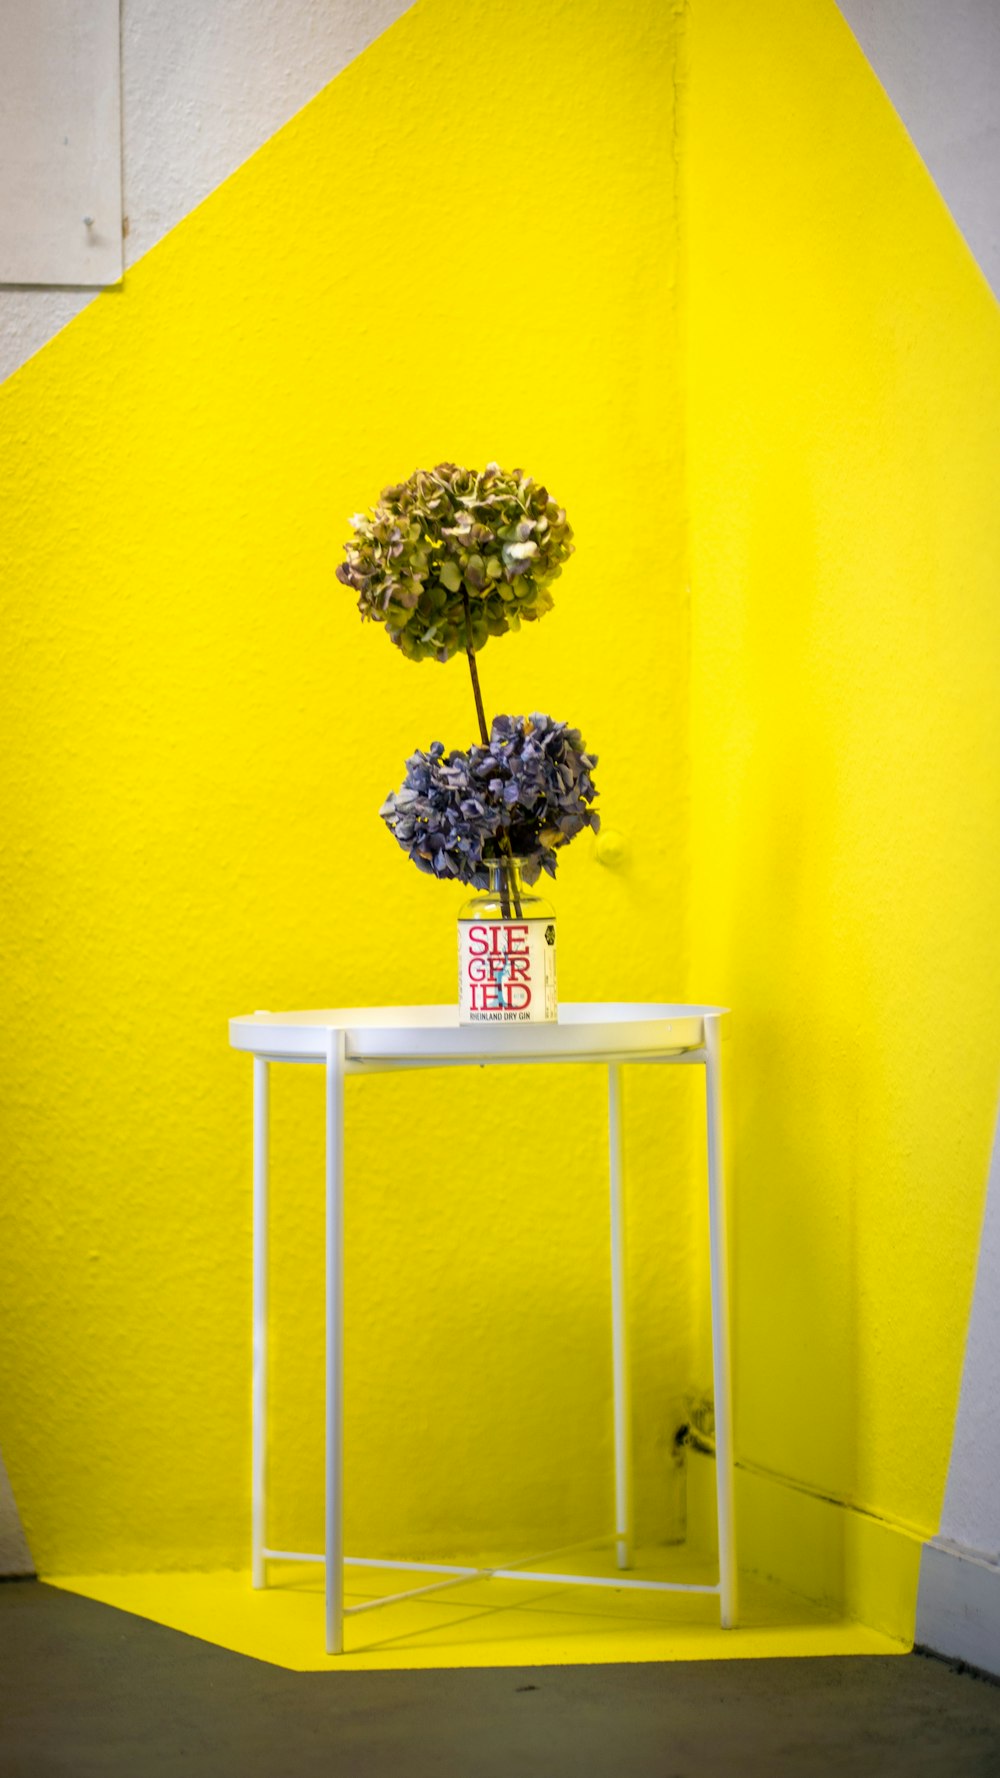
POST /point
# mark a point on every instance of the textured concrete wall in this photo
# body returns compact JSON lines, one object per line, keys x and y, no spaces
{"x":204,"y":83}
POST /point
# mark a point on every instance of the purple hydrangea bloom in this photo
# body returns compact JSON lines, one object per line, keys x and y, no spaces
{"x":529,"y":790}
{"x":441,"y":818}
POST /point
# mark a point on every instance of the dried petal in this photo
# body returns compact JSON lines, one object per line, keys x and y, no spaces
{"x":529,"y":790}
{"x":450,"y":540}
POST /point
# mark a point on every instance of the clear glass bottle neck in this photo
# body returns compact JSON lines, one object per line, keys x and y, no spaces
{"x":506,"y":896}
{"x":505,"y":876}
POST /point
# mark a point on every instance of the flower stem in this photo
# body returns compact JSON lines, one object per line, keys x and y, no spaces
{"x":484,"y":735}
{"x":508,"y":869}
{"x":511,"y":867}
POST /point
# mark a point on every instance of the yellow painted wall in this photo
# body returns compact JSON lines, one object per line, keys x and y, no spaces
{"x":198,"y":734}
{"x":842,"y":375}
{"x":463,"y":248}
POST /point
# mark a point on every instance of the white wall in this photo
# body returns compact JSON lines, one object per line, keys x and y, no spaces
{"x":939,"y":61}
{"x":958,"y":1610}
{"x":15,"y":1557}
{"x":204,"y":84}
{"x":60,"y":142}
{"x":970,"y":1517}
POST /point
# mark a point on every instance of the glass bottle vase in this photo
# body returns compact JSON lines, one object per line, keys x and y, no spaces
{"x":506,"y":953}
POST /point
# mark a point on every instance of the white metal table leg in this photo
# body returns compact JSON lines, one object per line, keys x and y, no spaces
{"x":334,"y":1546}
{"x":719,"y":1264}
{"x":258,"y":1415}
{"x":619,"y":1326}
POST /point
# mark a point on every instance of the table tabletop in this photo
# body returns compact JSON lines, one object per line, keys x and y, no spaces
{"x":424,"y":1035}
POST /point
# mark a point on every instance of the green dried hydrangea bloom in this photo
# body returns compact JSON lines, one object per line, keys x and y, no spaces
{"x":450,"y":542}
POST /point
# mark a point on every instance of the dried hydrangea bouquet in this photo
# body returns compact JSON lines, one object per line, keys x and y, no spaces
{"x":446,"y":560}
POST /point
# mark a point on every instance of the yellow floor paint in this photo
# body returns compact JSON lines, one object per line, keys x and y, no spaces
{"x":485,"y":1623}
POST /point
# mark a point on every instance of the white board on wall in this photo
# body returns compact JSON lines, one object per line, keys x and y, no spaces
{"x":60,"y":142}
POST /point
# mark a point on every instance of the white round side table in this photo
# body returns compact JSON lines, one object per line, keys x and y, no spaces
{"x":371,"y":1040}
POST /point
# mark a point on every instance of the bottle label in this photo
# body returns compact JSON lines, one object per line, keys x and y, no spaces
{"x":506,"y":972}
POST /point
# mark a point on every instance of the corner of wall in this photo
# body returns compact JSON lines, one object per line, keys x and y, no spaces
{"x":15,"y":1556}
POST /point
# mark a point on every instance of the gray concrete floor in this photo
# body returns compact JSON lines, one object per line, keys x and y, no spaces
{"x":90,"y":1692}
